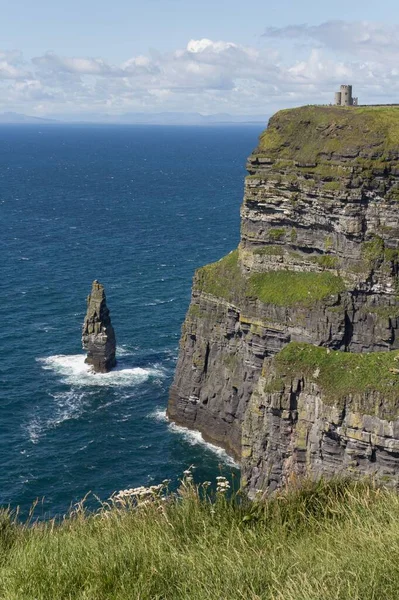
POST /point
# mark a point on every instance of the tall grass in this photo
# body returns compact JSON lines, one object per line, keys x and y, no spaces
{"x":327,"y":540}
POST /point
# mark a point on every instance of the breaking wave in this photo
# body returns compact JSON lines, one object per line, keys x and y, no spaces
{"x":194,"y":438}
{"x":74,"y":371}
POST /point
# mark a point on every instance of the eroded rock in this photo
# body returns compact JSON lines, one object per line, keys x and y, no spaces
{"x":98,"y":336}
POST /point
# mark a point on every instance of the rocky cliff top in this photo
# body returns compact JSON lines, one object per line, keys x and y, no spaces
{"x":314,"y":133}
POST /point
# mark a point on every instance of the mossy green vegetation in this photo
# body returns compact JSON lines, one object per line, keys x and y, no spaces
{"x":373,"y":251}
{"x":384,"y":312}
{"x":328,"y":243}
{"x":393,"y":194}
{"x":325,"y":541}
{"x":331,"y":186}
{"x":196,"y":312}
{"x":327,"y":261}
{"x":287,"y":288}
{"x":276,"y":233}
{"x":376,"y":254}
{"x":304,"y":134}
{"x":339,"y":374}
{"x":269,"y":250}
{"x":224,"y":279}
{"x":256,"y":177}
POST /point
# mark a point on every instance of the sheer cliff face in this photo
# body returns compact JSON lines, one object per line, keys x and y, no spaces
{"x":317,"y":265}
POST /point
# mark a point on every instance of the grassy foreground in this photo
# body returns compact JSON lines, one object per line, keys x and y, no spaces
{"x":330,"y":541}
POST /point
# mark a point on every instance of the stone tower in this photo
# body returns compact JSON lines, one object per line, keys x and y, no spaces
{"x":344,"y":97}
{"x":337,"y":100}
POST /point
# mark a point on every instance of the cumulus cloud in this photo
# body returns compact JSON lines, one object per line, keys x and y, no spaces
{"x":205,"y":45}
{"x":299,"y":64}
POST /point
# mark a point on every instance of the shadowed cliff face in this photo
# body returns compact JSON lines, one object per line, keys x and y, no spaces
{"x":317,"y":265}
{"x":98,"y":336}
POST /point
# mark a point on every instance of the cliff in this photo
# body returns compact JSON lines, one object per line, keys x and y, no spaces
{"x":317,"y":265}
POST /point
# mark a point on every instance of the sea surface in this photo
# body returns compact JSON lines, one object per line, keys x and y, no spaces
{"x":139,"y":208}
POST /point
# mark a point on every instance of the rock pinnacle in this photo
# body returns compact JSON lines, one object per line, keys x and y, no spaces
{"x":98,"y":336}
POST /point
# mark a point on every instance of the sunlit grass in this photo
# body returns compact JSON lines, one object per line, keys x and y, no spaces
{"x":308,"y":132}
{"x":224,"y":279}
{"x":329,"y":541}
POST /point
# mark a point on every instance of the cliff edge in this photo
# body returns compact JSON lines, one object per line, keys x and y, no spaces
{"x":308,"y":297}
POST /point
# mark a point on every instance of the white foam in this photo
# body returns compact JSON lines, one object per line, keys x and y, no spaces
{"x":194,"y":438}
{"x":74,"y":371}
{"x":158,"y":301}
{"x":34,"y":429}
{"x":68,"y":405}
{"x":44,"y":327}
{"x":123,"y":351}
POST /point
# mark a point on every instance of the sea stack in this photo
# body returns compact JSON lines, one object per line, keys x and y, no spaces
{"x":98,"y":336}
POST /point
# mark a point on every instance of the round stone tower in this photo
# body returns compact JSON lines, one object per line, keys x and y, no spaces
{"x":346,"y":95}
{"x":337,"y":100}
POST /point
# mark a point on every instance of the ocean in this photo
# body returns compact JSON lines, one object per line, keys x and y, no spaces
{"x":139,"y":208}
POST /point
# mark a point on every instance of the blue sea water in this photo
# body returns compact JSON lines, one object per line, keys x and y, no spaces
{"x":139,"y":208}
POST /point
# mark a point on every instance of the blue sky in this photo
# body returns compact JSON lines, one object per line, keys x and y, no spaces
{"x":117,"y":30}
{"x":83,"y":57}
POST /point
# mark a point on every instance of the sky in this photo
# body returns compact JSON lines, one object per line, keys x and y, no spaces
{"x":77,"y":58}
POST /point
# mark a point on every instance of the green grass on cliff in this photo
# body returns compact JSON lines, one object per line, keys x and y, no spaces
{"x":328,"y":541}
{"x":306,"y":133}
{"x":224,"y":279}
{"x":339,"y":374}
{"x":287,"y":288}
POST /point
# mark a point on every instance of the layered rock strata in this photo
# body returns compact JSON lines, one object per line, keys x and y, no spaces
{"x":316,"y":412}
{"x":317,"y":264}
{"x":98,"y":336}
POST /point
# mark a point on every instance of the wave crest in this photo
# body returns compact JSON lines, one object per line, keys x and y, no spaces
{"x":74,"y":371}
{"x":194,"y":438}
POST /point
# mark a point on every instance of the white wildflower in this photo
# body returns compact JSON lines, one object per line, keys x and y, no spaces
{"x":222,"y":485}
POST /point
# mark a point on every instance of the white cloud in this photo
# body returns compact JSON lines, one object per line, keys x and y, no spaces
{"x":12,"y":65}
{"x":204,"y":45}
{"x":79,"y":66}
{"x":355,"y":38}
{"x":318,"y":68}
{"x":209,"y":76}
